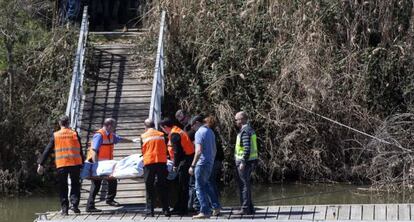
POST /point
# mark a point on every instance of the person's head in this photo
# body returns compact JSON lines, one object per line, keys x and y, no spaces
{"x":109,"y":124}
{"x":64,"y":121}
{"x":196,"y":122}
{"x":166,"y":125}
{"x":210,"y":121}
{"x":241,"y":119}
{"x":149,"y":123}
{"x":181,"y":116}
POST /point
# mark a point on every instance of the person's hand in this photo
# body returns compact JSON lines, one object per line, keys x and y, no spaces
{"x":241,"y":166}
{"x":40,"y":169}
{"x":137,"y":140}
{"x":191,"y":171}
{"x":174,"y":169}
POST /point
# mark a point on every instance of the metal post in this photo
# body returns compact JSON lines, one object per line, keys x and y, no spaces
{"x":157,"y":83}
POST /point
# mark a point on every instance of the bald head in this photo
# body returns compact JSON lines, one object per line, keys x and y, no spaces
{"x":149,"y":123}
{"x":242,"y":115}
{"x":241,"y":118}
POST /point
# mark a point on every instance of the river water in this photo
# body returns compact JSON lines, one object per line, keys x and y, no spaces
{"x":309,"y":194}
{"x":24,"y":208}
{"x":13,"y":209}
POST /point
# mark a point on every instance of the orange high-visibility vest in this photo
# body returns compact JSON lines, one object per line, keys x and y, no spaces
{"x":154,"y":149}
{"x":106,"y":150}
{"x":186,"y":143}
{"x":67,"y":148}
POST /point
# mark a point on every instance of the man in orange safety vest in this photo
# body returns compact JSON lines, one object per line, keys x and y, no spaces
{"x":154,"y":151}
{"x":66,"y":145}
{"x":181,"y":151}
{"x":103,"y":149}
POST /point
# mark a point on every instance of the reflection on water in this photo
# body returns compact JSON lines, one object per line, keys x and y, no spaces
{"x":308,"y":194}
{"x":24,"y":208}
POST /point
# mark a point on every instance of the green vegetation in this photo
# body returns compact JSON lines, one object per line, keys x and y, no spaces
{"x":351,"y":61}
{"x":35,"y":71}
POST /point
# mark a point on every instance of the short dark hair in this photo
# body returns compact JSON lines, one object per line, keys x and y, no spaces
{"x":181,"y":112}
{"x":166,"y":122}
{"x":197,"y":118}
{"x":109,"y":121}
{"x":64,"y":121}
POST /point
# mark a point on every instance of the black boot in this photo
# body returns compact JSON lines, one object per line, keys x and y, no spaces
{"x":92,"y":209}
{"x":75,"y":209}
{"x":148,"y":213}
{"x":64,"y":211}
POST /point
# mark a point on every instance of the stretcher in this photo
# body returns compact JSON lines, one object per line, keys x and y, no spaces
{"x":130,"y":167}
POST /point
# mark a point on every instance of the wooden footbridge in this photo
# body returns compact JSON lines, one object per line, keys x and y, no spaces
{"x":115,"y":85}
{"x":116,"y":89}
{"x":371,"y":212}
{"x":111,"y":80}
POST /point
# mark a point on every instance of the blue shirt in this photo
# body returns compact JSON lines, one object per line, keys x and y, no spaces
{"x":206,"y":138}
{"x":97,"y":140}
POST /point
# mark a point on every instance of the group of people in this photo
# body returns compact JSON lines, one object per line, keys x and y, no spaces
{"x":65,"y":144}
{"x":105,"y":14}
{"x":189,"y":142}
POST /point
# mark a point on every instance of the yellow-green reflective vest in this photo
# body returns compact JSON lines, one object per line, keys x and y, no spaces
{"x":238,"y":153}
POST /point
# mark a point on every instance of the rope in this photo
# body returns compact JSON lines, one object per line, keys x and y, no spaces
{"x":343,"y":125}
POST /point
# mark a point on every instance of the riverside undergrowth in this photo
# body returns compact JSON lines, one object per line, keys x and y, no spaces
{"x":351,"y":61}
{"x":35,"y":72}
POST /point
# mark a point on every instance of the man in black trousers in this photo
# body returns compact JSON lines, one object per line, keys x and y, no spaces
{"x":66,"y":146}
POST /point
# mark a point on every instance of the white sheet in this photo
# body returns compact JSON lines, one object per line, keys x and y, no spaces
{"x":129,"y":167}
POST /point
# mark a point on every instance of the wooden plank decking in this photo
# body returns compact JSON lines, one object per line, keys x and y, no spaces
{"x":116,"y":86}
{"x":366,"y":212}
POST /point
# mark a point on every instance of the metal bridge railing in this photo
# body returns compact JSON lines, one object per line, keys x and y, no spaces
{"x":158,"y":81}
{"x":76,"y":90}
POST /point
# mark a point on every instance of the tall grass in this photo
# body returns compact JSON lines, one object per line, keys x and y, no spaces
{"x":348,"y":60}
{"x":42,"y":67}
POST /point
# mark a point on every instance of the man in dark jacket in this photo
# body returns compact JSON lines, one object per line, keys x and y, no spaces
{"x":181,"y":151}
{"x":66,"y":146}
{"x":246,"y":160}
{"x":184,"y":119}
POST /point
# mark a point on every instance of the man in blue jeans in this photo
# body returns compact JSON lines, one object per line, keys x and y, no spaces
{"x":202,"y":166}
{"x":246,"y":160}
